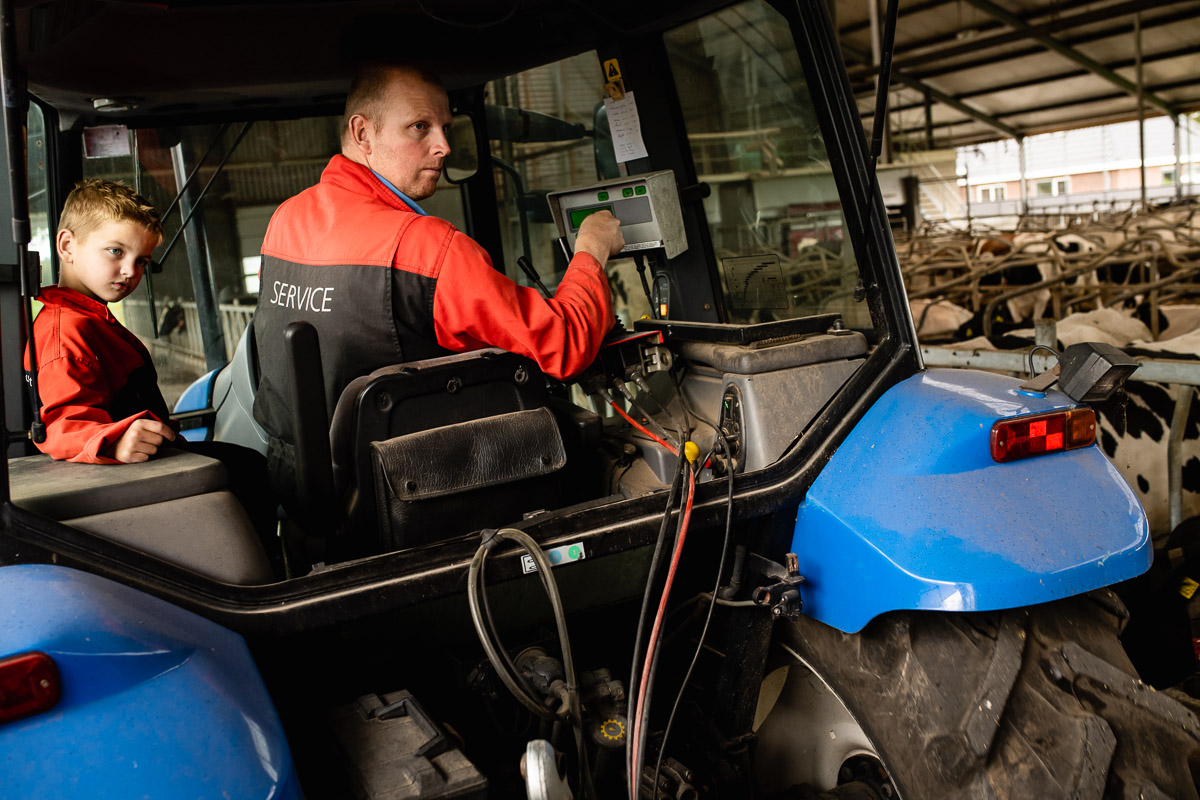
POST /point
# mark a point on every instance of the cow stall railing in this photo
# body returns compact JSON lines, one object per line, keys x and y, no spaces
{"x":1074,"y":278}
{"x":1175,"y":373}
{"x":1129,"y":254}
{"x":1154,"y":252}
{"x":178,"y":330}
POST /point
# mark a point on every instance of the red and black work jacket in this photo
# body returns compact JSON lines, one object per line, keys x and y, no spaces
{"x":383,"y":284}
{"x":94,"y":377}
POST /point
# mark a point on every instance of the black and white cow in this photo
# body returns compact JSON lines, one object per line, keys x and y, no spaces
{"x":1133,"y":432}
{"x":1134,"y":427}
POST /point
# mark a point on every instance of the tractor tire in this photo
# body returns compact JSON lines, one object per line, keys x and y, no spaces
{"x":1034,"y":703}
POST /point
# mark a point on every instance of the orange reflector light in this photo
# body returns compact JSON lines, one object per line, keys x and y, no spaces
{"x":1022,"y":437}
{"x":29,"y":684}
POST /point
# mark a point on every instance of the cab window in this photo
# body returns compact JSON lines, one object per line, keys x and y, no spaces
{"x":569,"y":92}
{"x":774,"y":213}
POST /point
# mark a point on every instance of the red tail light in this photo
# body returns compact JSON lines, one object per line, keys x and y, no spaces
{"x":1022,"y":437}
{"x":29,"y":684}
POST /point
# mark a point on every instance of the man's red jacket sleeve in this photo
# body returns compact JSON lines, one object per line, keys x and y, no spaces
{"x":475,"y":306}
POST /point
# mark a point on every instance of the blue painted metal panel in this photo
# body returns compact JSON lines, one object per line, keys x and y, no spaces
{"x":156,"y":701}
{"x":912,"y":512}
{"x":197,"y":396}
{"x":196,"y":434}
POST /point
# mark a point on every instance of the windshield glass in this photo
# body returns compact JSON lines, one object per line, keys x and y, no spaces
{"x":569,"y":95}
{"x":774,"y":212}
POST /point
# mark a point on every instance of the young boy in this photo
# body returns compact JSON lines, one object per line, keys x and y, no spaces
{"x":99,"y":389}
{"x":98,"y":386}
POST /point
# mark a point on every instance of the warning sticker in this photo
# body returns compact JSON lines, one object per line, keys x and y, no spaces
{"x":755,"y":282}
{"x":612,"y":70}
{"x":1188,"y":588}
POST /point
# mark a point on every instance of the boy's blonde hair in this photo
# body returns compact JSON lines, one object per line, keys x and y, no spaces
{"x":95,"y":201}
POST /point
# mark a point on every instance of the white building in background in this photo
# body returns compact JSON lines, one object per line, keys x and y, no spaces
{"x":1082,"y":168}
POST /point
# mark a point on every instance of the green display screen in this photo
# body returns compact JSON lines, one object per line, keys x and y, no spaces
{"x":578,"y":215}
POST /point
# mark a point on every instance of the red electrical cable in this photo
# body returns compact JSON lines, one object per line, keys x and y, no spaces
{"x":654,"y":631}
{"x":635,"y":424}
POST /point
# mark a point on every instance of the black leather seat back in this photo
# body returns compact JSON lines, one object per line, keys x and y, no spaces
{"x":453,"y":423}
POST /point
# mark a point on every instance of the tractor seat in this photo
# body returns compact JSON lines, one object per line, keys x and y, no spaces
{"x":428,"y":450}
{"x":175,"y":506}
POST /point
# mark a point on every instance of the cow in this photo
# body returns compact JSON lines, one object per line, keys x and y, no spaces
{"x":1133,"y":428}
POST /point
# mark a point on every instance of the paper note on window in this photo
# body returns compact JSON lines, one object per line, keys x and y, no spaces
{"x":626,"y":128}
{"x":106,"y":141}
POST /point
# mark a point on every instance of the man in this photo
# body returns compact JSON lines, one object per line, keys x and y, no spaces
{"x":383,"y":283}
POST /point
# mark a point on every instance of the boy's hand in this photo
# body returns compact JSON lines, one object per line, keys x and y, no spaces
{"x":141,"y":440}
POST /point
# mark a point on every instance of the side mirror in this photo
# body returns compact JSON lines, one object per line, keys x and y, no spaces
{"x":602,"y":145}
{"x":463,"y":161}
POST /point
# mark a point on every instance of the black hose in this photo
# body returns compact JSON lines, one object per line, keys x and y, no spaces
{"x":687,"y":676}
{"x":642,"y":722}
{"x":546,"y":576}
{"x":489,"y":648}
{"x":655,"y":563}
{"x":494,"y":631}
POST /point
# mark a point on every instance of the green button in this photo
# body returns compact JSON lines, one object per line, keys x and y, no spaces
{"x":640,"y":189}
{"x":602,"y":196}
{"x":627,"y":191}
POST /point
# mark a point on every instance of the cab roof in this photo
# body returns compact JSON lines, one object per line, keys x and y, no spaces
{"x":150,"y":62}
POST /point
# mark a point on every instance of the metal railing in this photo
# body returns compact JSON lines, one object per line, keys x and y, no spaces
{"x":183,"y":340}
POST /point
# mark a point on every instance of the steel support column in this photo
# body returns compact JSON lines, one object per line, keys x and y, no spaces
{"x":1141,"y":103}
{"x":1024,"y":182}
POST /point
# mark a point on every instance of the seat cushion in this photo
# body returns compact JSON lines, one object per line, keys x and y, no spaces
{"x":62,"y":490}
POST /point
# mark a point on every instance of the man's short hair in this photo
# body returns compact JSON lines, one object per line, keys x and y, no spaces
{"x":368,"y":90}
{"x":95,"y":201}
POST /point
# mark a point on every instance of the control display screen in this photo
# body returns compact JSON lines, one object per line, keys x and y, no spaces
{"x":577,"y":215}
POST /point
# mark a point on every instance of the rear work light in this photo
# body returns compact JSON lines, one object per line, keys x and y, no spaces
{"x":29,"y":684}
{"x":1022,"y":437}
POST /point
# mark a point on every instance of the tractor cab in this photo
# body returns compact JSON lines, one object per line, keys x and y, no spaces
{"x":744,"y":298}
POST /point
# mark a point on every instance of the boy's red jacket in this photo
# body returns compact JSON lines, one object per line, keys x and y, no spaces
{"x":94,"y":377}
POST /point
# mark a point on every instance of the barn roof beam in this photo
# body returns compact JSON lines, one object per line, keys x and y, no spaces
{"x":1050,"y":43}
{"x":939,"y":96}
{"x":909,"y":10}
{"x":1079,"y":101}
{"x":1027,"y":31}
{"x":1059,"y":124}
{"x":1125,"y":29}
{"x":912,"y":9}
{"x":1044,"y":79}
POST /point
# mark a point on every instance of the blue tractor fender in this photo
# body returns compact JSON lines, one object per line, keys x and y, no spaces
{"x":155,"y":701}
{"x":912,"y":512}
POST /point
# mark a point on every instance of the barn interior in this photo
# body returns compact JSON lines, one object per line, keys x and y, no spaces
{"x":1039,"y":166}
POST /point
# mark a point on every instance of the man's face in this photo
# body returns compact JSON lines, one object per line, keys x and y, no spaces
{"x":108,"y":263}
{"x":409,"y":140}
